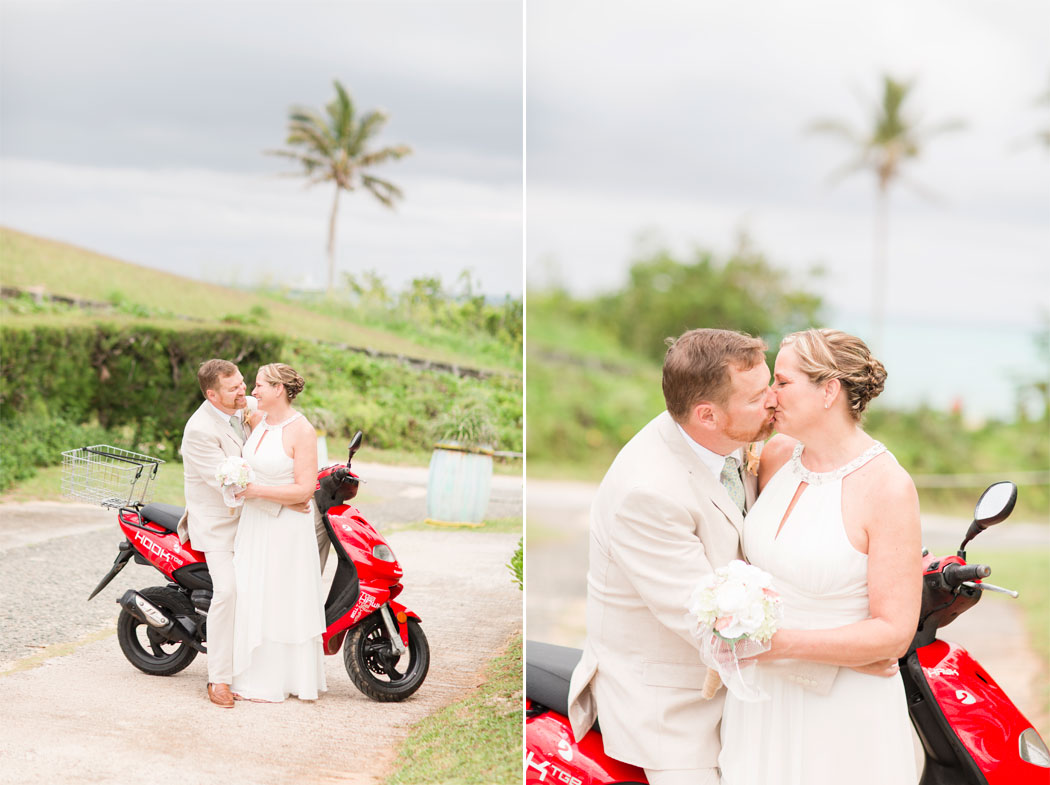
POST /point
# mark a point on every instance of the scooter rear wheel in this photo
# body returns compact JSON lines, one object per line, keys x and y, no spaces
{"x":373,"y":665}
{"x":144,"y":647}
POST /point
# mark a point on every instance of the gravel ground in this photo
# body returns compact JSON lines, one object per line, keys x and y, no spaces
{"x":70,"y":704}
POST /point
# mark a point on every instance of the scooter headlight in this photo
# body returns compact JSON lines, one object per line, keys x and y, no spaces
{"x":383,"y":552}
{"x":1033,"y":749}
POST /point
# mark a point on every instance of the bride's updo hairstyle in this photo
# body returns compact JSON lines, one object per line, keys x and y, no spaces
{"x":279,"y":373}
{"x":832,"y":354}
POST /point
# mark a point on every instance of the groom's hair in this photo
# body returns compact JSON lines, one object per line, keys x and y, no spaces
{"x":211,"y":371}
{"x":696,"y":367}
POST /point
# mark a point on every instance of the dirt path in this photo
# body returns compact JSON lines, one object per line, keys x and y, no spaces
{"x":77,"y":711}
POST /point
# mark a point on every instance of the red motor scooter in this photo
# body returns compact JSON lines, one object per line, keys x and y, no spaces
{"x":162,"y":628}
{"x":971,"y":732}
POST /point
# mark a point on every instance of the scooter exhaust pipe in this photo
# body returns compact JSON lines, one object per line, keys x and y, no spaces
{"x":149,"y":614}
{"x":145,"y":611}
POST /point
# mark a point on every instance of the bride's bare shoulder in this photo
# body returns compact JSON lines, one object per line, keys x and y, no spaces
{"x":777,"y":450}
{"x":303,"y":427}
{"x":775,"y":453}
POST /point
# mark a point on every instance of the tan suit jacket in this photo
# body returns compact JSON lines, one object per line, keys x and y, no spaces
{"x":208,"y":524}
{"x":659,"y":523}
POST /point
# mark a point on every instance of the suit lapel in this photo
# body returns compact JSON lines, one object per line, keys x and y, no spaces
{"x":223,"y":427}
{"x":704,"y":482}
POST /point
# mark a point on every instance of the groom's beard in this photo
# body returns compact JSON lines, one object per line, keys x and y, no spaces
{"x":739,"y":434}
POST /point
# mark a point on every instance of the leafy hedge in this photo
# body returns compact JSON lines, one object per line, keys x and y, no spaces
{"x":132,"y":385}
{"x":395,"y":406}
{"x":135,"y":386}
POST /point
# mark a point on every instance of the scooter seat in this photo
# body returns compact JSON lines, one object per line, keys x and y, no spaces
{"x":166,"y":516}
{"x":548,"y":669}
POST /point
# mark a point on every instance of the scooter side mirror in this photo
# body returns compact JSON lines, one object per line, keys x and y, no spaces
{"x":355,"y":443}
{"x":995,"y":505}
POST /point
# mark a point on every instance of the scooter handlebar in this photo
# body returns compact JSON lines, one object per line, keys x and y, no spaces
{"x":956,"y":574}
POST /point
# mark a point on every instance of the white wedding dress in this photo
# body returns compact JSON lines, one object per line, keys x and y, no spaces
{"x":280,"y":603}
{"x":858,"y":733}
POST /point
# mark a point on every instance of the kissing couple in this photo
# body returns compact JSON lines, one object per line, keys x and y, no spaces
{"x":266,"y":616}
{"x":830,"y":515}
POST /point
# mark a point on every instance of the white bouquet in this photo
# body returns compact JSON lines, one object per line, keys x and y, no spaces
{"x":733,"y":613}
{"x":233,"y":475}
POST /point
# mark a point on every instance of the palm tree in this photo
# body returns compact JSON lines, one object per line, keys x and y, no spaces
{"x":892,"y":139}
{"x":337,"y":149}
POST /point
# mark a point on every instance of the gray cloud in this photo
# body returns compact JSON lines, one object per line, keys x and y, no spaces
{"x":209,"y":84}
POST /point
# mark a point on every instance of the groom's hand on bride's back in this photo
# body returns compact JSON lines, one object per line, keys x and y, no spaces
{"x":884,"y":668}
{"x":301,"y":507}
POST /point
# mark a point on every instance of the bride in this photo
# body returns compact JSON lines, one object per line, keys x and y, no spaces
{"x":837,"y":526}
{"x":280,"y":606}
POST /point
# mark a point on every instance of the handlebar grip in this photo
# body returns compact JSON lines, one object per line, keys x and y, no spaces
{"x":955,"y":574}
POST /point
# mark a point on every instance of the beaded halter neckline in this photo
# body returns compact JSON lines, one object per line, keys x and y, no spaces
{"x":275,"y":426}
{"x":819,"y":478}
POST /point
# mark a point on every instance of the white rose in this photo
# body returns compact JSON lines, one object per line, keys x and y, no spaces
{"x":729,"y":597}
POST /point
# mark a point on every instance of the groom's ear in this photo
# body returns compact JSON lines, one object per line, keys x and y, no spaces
{"x":705,"y":415}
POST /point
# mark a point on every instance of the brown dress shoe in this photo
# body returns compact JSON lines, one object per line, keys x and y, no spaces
{"x":220,"y":695}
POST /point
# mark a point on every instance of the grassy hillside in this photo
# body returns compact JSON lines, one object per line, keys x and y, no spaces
{"x":61,"y":269}
{"x":123,"y":371}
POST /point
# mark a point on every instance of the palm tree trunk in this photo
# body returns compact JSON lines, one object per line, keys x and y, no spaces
{"x":880,"y":271}
{"x":331,"y":243}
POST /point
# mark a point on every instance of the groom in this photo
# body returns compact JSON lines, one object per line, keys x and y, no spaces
{"x":215,"y":431}
{"x":669,"y":511}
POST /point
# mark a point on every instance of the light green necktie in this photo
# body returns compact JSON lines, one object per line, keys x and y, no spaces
{"x":238,"y":428}
{"x":730,"y":479}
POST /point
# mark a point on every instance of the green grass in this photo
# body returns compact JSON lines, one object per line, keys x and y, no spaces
{"x":476,"y":741}
{"x":508,"y":467}
{"x":46,"y":485}
{"x":512,"y":525}
{"x":482,"y":347}
{"x":136,"y":291}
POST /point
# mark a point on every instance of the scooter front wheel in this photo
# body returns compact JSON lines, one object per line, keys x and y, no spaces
{"x":374,"y":666}
{"x":145,"y":647}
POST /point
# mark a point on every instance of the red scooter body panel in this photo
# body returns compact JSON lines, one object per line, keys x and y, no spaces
{"x":379,"y":579}
{"x":160,"y":547}
{"x":985,"y":719}
{"x":359,"y":538}
{"x":552,"y":757}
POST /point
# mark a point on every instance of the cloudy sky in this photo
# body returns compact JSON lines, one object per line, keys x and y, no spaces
{"x":687,"y":121}
{"x":138,"y":130}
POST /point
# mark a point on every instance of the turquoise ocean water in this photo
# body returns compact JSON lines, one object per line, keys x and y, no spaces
{"x":977,"y":366}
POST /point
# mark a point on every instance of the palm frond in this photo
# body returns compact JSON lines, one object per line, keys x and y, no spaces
{"x":341,"y":115}
{"x":383,"y":190}
{"x":369,"y":126}
{"x":835,"y":127}
{"x":386,"y":154}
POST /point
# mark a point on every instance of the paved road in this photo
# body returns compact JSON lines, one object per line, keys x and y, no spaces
{"x":556,"y":567}
{"x":74,"y":710}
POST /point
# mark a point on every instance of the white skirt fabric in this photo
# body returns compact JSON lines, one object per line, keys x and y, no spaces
{"x":280,"y":603}
{"x":858,"y":733}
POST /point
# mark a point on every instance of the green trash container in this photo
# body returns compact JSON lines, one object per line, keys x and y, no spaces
{"x":458,"y":485}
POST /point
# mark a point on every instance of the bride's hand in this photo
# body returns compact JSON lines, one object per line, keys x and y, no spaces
{"x":249,"y":492}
